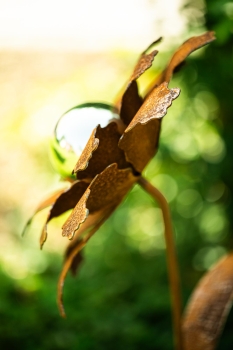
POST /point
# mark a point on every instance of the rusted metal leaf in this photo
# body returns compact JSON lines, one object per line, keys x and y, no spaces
{"x":92,"y":220}
{"x":144,"y":62}
{"x":77,"y":260}
{"x":44,"y":204}
{"x":209,"y":306}
{"x":131,"y":100}
{"x":114,"y":157}
{"x":106,"y":190}
{"x":140,"y":139}
{"x":78,"y":216}
{"x":64,"y":201}
{"x":107,"y":152}
{"x":73,"y":257}
{"x":184,"y":51}
{"x":86,"y":155}
{"x":181,"y":54}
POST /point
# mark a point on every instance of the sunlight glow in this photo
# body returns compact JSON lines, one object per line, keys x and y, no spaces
{"x":87,"y":25}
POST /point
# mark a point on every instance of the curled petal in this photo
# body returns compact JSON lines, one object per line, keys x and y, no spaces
{"x":180,"y":55}
{"x":64,"y":201}
{"x":131,"y":101}
{"x":86,"y":155}
{"x":144,"y":62}
{"x":91,"y":221}
{"x":94,"y":160}
{"x":44,"y":204}
{"x":209,"y":306}
{"x":184,"y":51}
{"x":140,"y":139}
{"x":106,"y":190}
{"x":79,"y":215}
{"x":73,"y":256}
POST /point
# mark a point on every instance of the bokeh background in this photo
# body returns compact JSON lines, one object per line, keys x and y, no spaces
{"x":53,"y":56}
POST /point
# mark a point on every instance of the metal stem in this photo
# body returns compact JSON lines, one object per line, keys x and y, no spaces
{"x":173,"y":270}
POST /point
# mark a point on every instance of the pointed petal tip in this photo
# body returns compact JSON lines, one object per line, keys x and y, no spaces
{"x":26,"y":227}
{"x":62,"y":310}
{"x":43,"y":236}
{"x":175,"y":93}
{"x":157,"y":41}
{"x":61,"y":307}
{"x":71,"y":236}
{"x":212,"y":35}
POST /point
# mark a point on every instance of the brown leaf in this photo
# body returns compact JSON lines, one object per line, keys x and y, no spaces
{"x":106,"y":190}
{"x":107,"y":152}
{"x":92,"y":220}
{"x":64,"y":201}
{"x":140,"y":139}
{"x":86,"y":155}
{"x":77,"y":217}
{"x":73,"y":256}
{"x":144,"y":62}
{"x":131,"y":101}
{"x":180,"y":55}
{"x":44,"y":204}
{"x":209,"y":306}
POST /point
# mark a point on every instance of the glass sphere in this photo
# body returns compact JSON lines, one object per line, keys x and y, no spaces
{"x":72,"y":132}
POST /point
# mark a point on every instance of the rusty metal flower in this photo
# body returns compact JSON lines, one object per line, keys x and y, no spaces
{"x":115,"y":156}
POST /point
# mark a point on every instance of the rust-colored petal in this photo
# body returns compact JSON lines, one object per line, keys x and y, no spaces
{"x":77,"y":260}
{"x":91,"y":221}
{"x":86,"y":155}
{"x":184,"y":51}
{"x":65,"y":201}
{"x":140,"y":139}
{"x":44,"y":204}
{"x":144,"y":62}
{"x":131,"y":100}
{"x":73,"y":256}
{"x":106,"y":190}
{"x":181,"y":54}
{"x":209,"y":306}
{"x":107,"y":152}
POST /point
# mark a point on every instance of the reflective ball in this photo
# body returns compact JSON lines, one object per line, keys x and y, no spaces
{"x":72,"y":132}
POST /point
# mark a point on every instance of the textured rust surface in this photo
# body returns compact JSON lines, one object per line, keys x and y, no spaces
{"x":209,"y":306}
{"x":106,"y":190}
{"x":44,"y":204}
{"x":86,"y":155}
{"x":68,"y":199}
{"x":144,"y":62}
{"x":106,"y":153}
{"x":110,"y":187}
{"x":106,"y":170}
{"x":75,"y":260}
{"x":184,"y":51}
{"x":78,"y":216}
{"x":181,"y":54}
{"x":92,"y":220}
{"x":64,"y":202}
{"x":140,"y":139}
{"x":131,"y":100}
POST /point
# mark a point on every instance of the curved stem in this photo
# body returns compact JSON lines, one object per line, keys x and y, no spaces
{"x":171,"y":260}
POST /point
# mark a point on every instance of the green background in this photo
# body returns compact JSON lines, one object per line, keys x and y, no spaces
{"x":120,"y":299}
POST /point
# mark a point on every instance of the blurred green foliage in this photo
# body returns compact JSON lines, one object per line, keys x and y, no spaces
{"x":120,"y":299}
